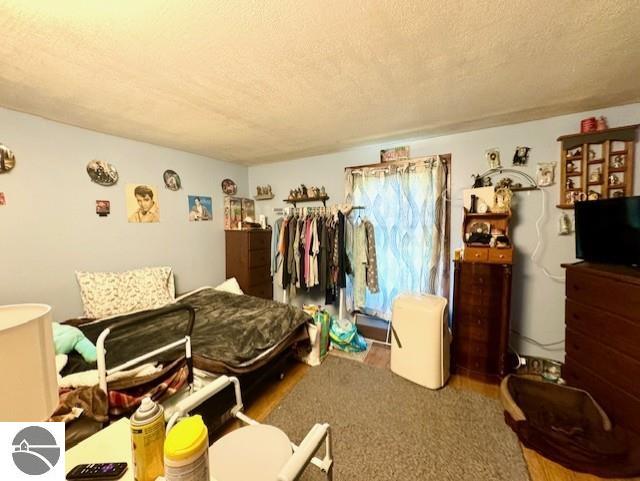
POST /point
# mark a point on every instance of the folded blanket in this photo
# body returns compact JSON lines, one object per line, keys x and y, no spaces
{"x":91,"y":378}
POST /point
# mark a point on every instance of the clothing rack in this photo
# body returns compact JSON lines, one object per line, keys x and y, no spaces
{"x":321,"y":211}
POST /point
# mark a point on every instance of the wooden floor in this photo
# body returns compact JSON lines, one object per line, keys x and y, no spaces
{"x":540,"y":468}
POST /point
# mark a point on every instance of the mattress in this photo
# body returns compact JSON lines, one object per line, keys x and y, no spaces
{"x":232,"y":333}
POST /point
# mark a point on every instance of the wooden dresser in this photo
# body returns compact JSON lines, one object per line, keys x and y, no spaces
{"x":481,"y":315}
{"x":603,"y":337}
{"x":249,"y":261}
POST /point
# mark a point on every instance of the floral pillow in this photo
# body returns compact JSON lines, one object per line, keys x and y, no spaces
{"x":109,"y":293}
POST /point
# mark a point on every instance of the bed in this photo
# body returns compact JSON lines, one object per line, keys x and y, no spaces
{"x":227,"y":334}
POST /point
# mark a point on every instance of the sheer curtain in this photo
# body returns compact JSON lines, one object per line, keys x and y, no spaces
{"x":406,"y":203}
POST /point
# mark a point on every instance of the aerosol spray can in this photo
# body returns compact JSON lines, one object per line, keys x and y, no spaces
{"x":147,"y":441}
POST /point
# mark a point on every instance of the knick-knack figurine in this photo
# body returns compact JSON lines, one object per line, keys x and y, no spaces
{"x":601,"y":123}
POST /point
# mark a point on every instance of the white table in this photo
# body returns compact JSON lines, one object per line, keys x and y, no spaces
{"x":112,"y":444}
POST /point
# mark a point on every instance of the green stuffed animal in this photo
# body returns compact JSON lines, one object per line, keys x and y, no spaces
{"x":69,"y":338}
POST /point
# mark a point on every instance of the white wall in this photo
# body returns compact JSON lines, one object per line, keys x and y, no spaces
{"x":538,"y":302}
{"x":49,"y":229}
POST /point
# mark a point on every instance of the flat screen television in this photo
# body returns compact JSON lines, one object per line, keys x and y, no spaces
{"x":608,"y":230}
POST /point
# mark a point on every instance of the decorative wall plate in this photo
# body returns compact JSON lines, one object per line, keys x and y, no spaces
{"x":7,"y":159}
{"x":172,"y":180}
{"x":102,"y":172}
{"x":229,"y":187}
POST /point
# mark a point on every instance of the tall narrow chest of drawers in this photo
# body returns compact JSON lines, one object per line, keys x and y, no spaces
{"x":481,"y":315}
{"x":602,"y":317}
{"x":248,"y":259}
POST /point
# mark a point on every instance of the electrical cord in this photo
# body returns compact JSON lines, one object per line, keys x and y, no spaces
{"x":553,"y":277}
{"x":546,"y":346}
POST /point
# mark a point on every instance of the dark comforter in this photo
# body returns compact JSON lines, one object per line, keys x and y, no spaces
{"x":232,"y":333}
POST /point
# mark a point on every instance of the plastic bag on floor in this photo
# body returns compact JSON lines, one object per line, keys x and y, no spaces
{"x":318,"y":336}
{"x":344,"y":336}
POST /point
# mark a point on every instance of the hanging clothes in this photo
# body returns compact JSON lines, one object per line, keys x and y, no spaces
{"x":280,"y":261}
{"x":372,"y":262}
{"x":341,"y":253}
{"x":310,"y":251}
{"x":323,"y":265}
{"x":296,"y":253}
{"x":275,"y":239}
{"x":291,"y":261}
{"x":360,"y":264}
{"x":286,"y":274}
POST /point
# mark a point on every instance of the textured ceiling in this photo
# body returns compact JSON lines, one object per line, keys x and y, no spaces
{"x":259,"y":81}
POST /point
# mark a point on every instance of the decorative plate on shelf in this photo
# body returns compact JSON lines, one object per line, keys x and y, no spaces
{"x":480,"y":228}
{"x":102,"y":172}
{"x":7,"y":159}
{"x":229,"y":187}
{"x":172,"y":180}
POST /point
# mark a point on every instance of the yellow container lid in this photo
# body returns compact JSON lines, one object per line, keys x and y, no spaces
{"x":186,"y":438}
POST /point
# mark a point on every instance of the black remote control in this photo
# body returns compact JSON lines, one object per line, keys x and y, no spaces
{"x":97,"y":471}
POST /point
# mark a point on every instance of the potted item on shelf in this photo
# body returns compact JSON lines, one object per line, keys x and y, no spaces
{"x":574,"y":196}
{"x":264,"y":192}
{"x":592,"y":154}
{"x":593,"y":195}
{"x":588,"y":125}
{"x":571,"y":166}
{"x":601,"y":123}
{"x":574,"y":153}
{"x":617,"y":162}
{"x":596,"y":175}
{"x":503,"y":200}
{"x":570,"y":184}
{"x":617,"y":193}
{"x":614,"y":179}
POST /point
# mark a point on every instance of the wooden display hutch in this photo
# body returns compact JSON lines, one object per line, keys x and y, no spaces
{"x":498,"y":222}
{"x":597,"y":165}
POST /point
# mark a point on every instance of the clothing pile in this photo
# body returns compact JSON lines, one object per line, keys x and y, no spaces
{"x":310,"y":251}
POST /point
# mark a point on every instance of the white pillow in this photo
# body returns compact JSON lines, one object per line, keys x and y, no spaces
{"x":230,"y":285}
{"x":110,"y":293}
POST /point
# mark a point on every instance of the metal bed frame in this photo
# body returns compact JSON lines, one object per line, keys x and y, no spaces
{"x":103,"y":372}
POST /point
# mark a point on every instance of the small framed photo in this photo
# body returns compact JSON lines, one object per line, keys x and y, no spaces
{"x":395,"y":154}
{"x":103,"y":208}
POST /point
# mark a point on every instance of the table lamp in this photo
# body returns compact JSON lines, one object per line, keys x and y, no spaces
{"x":27,"y":363}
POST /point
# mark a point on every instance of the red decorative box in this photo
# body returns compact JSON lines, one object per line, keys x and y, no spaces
{"x":588,"y":125}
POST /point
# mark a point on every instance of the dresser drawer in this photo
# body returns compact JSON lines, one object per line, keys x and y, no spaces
{"x":264,"y":290}
{"x":476,"y":356}
{"x":476,"y":328}
{"x":259,"y":258}
{"x":612,"y":330}
{"x":259,"y":275}
{"x":614,"y":296}
{"x":621,"y":407}
{"x":259,"y":240}
{"x":474,"y":309}
{"x":501,"y":256}
{"x":481,"y":294}
{"x":476,"y":254}
{"x":619,"y":369}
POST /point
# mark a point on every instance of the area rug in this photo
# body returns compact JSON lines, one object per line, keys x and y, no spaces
{"x":387,"y":428}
